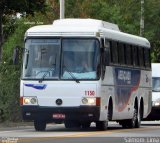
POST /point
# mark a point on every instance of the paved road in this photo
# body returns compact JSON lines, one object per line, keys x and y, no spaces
{"x":148,"y":133}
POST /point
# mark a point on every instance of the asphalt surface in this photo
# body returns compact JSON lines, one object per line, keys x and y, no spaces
{"x":148,"y":133}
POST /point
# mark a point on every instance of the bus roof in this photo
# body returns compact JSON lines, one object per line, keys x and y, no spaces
{"x":88,"y":28}
{"x":155,"y":69}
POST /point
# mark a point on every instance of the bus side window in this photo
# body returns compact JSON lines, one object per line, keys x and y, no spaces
{"x":135,"y":56}
{"x":147,"y":58}
{"x":111,"y":52}
{"x":114,"y":52}
{"x":121,"y":54}
{"x":141,"y":56}
{"x":106,"y":52}
{"x":128,"y":51}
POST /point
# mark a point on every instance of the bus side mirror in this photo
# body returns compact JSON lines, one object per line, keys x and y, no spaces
{"x":16,"y":55}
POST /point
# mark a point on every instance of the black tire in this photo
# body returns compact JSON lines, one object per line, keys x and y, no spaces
{"x":39,"y":125}
{"x":110,"y":112}
{"x":131,"y":123}
{"x":102,"y":125}
{"x":85,"y":125}
{"x":138,"y":121}
{"x":123,"y":123}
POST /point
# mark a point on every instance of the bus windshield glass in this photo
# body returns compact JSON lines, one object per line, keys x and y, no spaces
{"x":156,"y":84}
{"x":41,"y":58}
{"x":65,"y":59}
{"x":80,"y":58}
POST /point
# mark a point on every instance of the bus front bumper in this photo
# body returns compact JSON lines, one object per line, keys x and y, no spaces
{"x":81,"y":113}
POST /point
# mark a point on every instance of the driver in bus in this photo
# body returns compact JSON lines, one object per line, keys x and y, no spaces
{"x":83,"y":67}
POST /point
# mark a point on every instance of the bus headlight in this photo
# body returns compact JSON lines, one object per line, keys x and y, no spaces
{"x":84,"y":100}
{"x":91,"y":101}
{"x":28,"y":101}
{"x":156,"y":103}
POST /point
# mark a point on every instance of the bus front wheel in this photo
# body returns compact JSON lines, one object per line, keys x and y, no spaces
{"x":102,"y":125}
{"x":39,"y":125}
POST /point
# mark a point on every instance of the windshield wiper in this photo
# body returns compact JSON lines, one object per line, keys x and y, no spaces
{"x":46,"y":72}
{"x":53,"y":68}
{"x":71,"y":74}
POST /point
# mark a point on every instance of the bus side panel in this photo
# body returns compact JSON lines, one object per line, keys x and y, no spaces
{"x":127,"y":83}
{"x":107,"y":91}
{"x":123,"y":85}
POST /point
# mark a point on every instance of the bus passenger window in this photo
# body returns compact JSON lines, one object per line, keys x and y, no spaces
{"x":141,"y":56}
{"x":121,"y":54}
{"x":114,"y":53}
{"x":128,"y":55}
{"x":147,"y":58}
{"x":135,"y":56}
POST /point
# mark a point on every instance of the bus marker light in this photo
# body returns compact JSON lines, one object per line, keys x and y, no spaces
{"x":21,"y":101}
{"x":98,"y":101}
{"x":157,"y":104}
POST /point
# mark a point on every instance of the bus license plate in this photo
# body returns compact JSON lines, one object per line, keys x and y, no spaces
{"x":58,"y":116}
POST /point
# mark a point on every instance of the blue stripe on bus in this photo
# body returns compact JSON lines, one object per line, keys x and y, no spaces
{"x":126,"y":82}
{"x":37,"y":86}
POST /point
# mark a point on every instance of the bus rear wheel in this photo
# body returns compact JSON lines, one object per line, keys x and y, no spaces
{"x":131,"y":123}
{"x":138,"y":121}
{"x":39,"y":125}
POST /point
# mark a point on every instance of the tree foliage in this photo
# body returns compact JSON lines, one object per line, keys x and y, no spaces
{"x":125,"y":13}
{"x":11,"y":7}
{"x":9,"y":73}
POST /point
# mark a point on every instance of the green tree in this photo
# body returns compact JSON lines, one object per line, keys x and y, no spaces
{"x":125,"y":13}
{"x":152,"y":24}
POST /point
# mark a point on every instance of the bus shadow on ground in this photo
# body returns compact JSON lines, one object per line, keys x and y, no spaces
{"x":91,"y":129}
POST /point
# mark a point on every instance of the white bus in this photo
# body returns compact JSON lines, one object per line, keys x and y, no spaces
{"x":79,"y":71}
{"x":155,"y":112}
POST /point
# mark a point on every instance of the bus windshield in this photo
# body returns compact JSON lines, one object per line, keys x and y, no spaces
{"x":80,"y":57}
{"x":65,"y":59}
{"x":156,"y":84}
{"x":41,"y":58}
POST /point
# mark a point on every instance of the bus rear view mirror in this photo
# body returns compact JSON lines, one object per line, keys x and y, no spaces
{"x":16,"y":55}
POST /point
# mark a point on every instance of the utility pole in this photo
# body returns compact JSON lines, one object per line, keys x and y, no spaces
{"x":142,"y":19}
{"x":62,"y":9}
